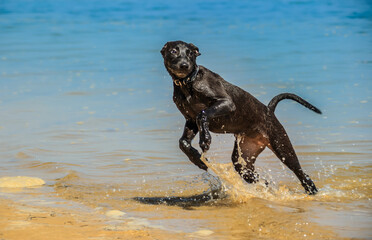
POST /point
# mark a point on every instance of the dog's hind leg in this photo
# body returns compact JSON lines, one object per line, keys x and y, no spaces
{"x":246,"y":150}
{"x":283,"y":149}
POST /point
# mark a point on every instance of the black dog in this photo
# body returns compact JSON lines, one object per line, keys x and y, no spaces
{"x":209,"y":103}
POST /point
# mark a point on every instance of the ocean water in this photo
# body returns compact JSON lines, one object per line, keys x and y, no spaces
{"x":86,"y":105}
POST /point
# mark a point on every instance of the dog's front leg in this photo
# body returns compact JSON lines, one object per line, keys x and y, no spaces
{"x":189,"y":132}
{"x":219,"y":108}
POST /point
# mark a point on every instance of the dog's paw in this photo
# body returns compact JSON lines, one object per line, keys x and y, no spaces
{"x":310,"y":187}
{"x":205,"y":141}
{"x":202,"y":166}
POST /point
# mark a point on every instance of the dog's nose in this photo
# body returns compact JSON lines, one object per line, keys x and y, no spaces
{"x":184,"y":66}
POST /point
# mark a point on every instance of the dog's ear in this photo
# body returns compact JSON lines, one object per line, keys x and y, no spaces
{"x":163,"y":49}
{"x":195,"y":49}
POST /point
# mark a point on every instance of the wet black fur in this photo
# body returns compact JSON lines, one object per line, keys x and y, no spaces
{"x":209,"y":103}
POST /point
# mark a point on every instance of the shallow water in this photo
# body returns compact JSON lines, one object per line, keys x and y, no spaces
{"x":86,"y":105}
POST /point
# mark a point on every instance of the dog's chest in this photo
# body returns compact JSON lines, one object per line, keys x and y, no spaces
{"x":188,"y":102}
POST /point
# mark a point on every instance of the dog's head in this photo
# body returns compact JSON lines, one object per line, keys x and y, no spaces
{"x":179,"y":58}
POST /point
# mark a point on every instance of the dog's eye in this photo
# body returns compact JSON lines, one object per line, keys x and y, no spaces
{"x":174,"y":51}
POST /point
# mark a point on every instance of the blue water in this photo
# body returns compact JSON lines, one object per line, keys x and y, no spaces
{"x":52,"y":47}
{"x":83,"y":82}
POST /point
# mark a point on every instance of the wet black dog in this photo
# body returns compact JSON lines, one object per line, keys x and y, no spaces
{"x":209,"y":103}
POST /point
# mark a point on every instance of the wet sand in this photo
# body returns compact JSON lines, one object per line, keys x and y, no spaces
{"x":33,"y":219}
{"x":23,"y":221}
{"x":76,"y":207}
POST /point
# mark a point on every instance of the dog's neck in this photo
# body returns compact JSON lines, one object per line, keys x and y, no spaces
{"x":188,"y":79}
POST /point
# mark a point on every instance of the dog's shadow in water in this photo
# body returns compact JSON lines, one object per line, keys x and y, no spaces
{"x":205,"y":199}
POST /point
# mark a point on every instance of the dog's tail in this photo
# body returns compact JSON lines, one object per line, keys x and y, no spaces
{"x":282,"y":96}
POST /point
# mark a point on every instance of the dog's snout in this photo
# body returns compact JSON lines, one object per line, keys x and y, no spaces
{"x":184,"y":65}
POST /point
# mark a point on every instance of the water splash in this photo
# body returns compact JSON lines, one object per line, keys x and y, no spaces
{"x":240,"y":191}
{"x":236,"y":188}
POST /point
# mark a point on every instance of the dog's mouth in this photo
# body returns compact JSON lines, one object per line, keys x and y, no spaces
{"x":180,"y":73}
